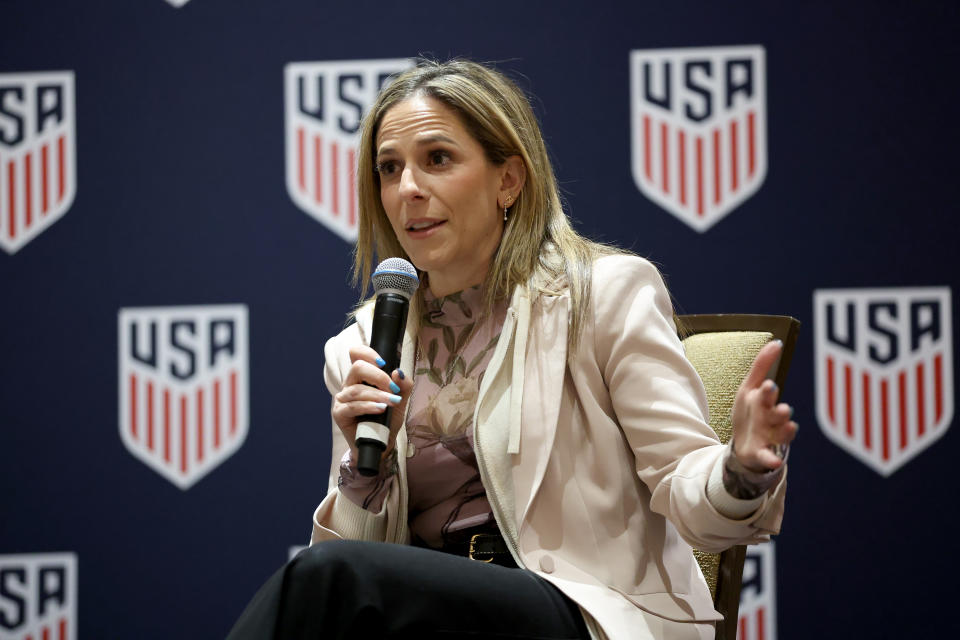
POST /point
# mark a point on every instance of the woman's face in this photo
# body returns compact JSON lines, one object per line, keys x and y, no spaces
{"x":440,"y":192}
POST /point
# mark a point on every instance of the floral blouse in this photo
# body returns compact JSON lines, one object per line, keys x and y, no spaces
{"x":446,"y":495}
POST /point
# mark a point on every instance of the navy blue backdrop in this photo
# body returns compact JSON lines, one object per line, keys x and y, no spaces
{"x":181,"y":199}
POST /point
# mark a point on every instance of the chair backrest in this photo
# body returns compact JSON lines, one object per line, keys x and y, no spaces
{"x":721,"y":348}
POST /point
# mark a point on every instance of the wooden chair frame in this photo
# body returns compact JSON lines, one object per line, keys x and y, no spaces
{"x":785,"y":328}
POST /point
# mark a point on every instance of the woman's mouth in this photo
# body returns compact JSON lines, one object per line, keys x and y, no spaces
{"x":422,"y":228}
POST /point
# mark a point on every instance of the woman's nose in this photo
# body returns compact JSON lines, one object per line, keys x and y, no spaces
{"x":409,"y":186}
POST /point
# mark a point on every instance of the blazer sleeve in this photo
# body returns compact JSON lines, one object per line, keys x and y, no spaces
{"x":337,"y":516}
{"x":661,"y":406}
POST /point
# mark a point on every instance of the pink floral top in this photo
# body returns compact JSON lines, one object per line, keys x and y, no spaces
{"x":446,"y":495}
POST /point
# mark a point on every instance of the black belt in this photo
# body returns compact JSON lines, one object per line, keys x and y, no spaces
{"x":483,"y":544}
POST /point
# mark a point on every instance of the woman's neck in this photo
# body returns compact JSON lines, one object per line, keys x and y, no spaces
{"x":443,"y":285}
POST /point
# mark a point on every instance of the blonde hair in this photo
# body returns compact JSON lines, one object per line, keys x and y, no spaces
{"x":538,"y":242}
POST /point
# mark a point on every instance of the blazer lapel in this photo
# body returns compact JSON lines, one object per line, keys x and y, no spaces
{"x":542,"y":383}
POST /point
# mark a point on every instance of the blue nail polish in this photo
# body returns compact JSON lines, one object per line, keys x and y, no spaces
{"x":380,"y":361}
{"x":395,"y":399}
{"x":401,"y":374}
{"x":791,"y":412}
{"x":394,"y":387}
{"x":381,"y":405}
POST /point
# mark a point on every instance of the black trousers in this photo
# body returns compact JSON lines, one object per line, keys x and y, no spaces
{"x":360,"y":590}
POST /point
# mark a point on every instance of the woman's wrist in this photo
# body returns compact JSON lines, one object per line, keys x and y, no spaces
{"x":743,"y":483}
{"x":367,"y":492}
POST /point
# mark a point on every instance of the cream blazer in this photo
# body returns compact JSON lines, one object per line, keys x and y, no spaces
{"x":595,"y":462}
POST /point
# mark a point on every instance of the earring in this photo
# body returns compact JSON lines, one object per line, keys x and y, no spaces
{"x":505,"y":205}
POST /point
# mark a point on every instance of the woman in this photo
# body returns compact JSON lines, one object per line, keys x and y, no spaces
{"x":552,"y":417}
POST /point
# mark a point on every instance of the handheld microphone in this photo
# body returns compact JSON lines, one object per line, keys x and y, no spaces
{"x":395,"y":281}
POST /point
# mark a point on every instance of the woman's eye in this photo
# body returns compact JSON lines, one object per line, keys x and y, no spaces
{"x":439,"y":158}
{"x":386,"y":168}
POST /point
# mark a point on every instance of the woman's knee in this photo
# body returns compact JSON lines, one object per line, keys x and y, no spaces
{"x":334,"y":559}
{"x":326,"y":589}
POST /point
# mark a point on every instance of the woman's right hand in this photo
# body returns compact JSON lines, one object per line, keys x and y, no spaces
{"x":368,"y":390}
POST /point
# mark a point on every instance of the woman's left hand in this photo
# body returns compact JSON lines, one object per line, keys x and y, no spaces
{"x":760,"y":423}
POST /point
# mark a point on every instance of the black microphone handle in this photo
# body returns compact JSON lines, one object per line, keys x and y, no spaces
{"x":386,"y":338}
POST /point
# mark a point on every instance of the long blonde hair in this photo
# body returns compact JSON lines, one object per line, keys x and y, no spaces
{"x":538,"y":242}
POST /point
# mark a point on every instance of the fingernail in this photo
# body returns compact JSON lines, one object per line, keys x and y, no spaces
{"x":401,"y":374}
{"x":394,"y":387}
{"x":395,"y":399}
{"x":779,"y":341}
{"x":791,"y":412}
{"x":773,"y":386}
{"x":380,"y":361}
{"x":380,"y":405}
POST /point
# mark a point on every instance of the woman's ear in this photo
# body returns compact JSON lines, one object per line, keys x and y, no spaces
{"x":514,"y":177}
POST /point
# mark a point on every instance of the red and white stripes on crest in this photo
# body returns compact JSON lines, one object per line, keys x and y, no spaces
{"x":32,"y":184}
{"x":884,"y":414}
{"x":327,"y":173}
{"x":58,"y":632}
{"x":183,"y":426}
{"x":699,"y":170}
{"x":753,"y":625}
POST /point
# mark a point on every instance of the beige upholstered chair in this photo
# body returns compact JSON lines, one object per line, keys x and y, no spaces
{"x":721,"y":348}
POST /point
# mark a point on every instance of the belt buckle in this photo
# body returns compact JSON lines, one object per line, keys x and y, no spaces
{"x":473,"y":548}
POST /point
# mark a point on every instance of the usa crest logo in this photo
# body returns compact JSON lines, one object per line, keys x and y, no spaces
{"x":325,"y":103}
{"x":698,"y":128}
{"x":757,"y":618}
{"x":38,"y":596}
{"x":38,"y":151}
{"x":884,"y":371}
{"x":183,"y":387}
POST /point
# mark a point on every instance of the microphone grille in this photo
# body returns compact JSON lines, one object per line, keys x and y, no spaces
{"x":397,"y":274}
